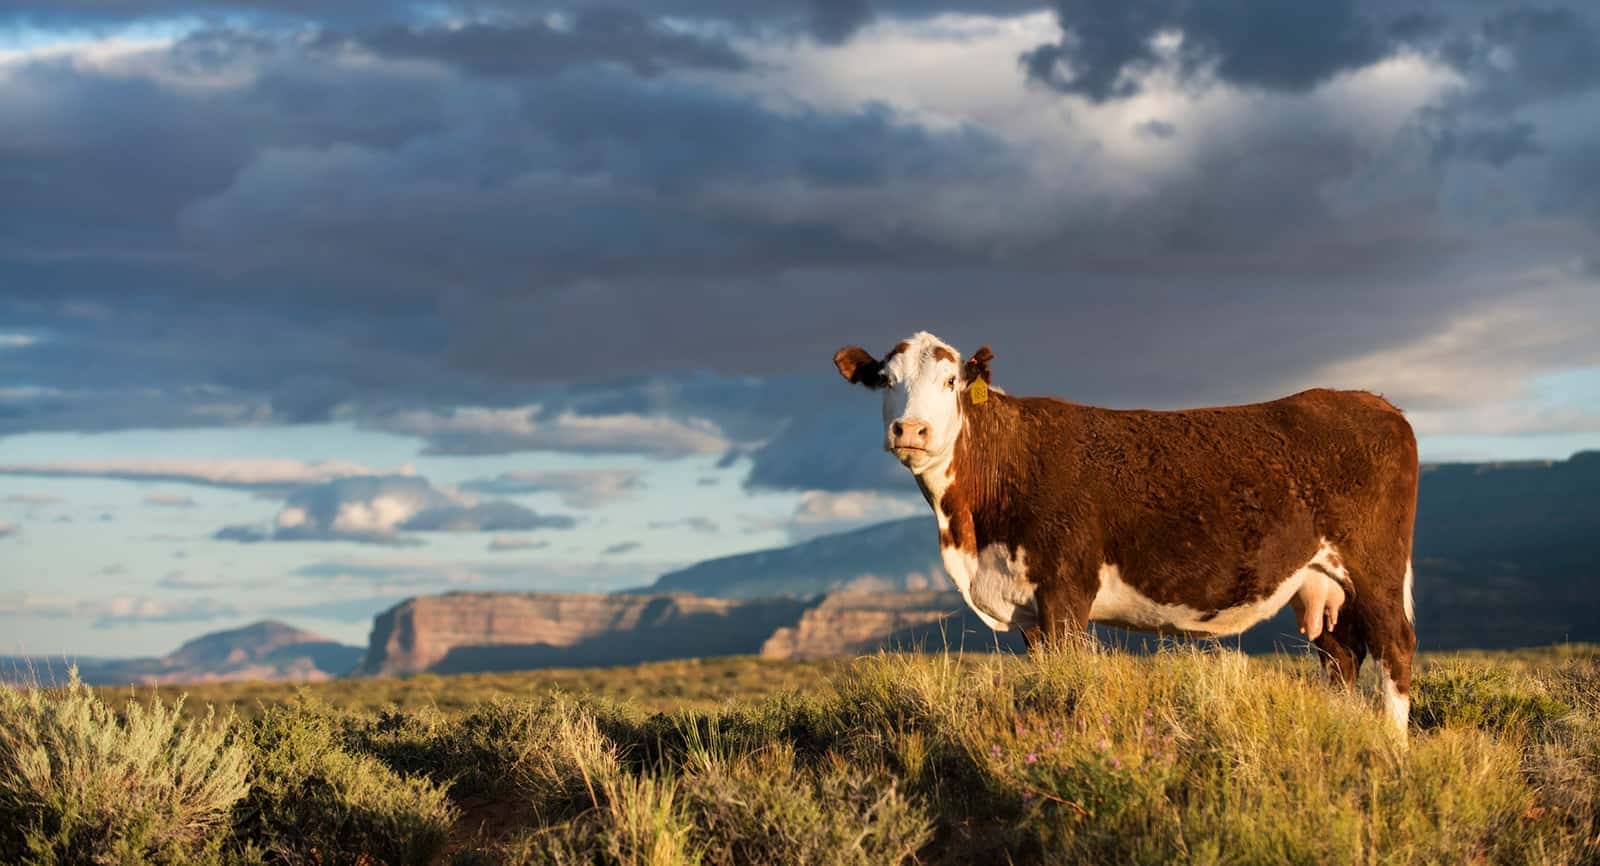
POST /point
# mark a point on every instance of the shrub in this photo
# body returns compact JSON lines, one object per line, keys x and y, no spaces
{"x":1490,"y":698}
{"x":82,"y":783}
{"x":640,"y":823}
{"x":761,"y":808}
{"x":548,"y":752}
{"x":311,"y":801}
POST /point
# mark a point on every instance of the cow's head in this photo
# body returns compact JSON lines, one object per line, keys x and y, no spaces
{"x":922,"y":380}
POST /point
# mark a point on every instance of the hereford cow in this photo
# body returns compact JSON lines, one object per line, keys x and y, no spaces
{"x":1197,"y":522}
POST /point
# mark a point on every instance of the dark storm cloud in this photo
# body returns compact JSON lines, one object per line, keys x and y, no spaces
{"x":329,"y":216}
{"x":1582,"y":165}
{"x":825,"y":20}
{"x":1496,"y":145}
{"x":1528,"y":54}
{"x":835,"y":448}
{"x":1107,"y":46}
{"x":834,"y":21}
{"x":304,"y":229}
{"x":536,"y":47}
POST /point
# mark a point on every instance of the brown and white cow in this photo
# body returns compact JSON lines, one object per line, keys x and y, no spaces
{"x":1198,"y":522}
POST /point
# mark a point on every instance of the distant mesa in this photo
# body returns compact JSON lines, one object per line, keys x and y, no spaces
{"x":482,"y":631}
{"x":856,"y":623}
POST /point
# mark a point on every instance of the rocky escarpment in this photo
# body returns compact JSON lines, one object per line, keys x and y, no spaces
{"x":852,"y":623}
{"x":479,"y":631}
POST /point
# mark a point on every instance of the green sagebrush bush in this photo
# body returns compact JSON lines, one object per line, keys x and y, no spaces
{"x":546,"y":752}
{"x":81,"y":782}
{"x":313,"y":801}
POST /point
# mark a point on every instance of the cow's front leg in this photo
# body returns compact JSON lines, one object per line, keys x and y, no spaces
{"x":1063,"y":615}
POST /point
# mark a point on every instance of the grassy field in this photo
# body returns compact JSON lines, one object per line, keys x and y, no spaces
{"x":1085,"y":756}
{"x":689,"y":684}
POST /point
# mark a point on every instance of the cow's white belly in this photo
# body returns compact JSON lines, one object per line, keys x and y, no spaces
{"x":995,"y":584}
{"x":1119,"y":603}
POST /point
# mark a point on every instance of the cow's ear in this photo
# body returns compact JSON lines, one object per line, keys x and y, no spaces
{"x":858,"y":366}
{"x":977,"y":366}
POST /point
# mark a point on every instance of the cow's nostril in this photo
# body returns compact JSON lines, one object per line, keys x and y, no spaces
{"x":898,"y":430}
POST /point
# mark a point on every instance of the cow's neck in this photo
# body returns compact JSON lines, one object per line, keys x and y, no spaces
{"x":982,"y":470}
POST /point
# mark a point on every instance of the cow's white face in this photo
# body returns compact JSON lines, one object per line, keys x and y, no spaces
{"x":921,"y":380}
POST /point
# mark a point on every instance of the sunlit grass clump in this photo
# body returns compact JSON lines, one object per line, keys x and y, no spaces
{"x":1083,"y":756}
{"x":81,"y":782}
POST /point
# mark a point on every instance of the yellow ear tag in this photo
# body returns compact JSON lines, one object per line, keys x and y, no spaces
{"x":979,"y":391}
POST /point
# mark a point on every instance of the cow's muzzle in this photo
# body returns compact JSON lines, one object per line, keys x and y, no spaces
{"x":909,"y":434}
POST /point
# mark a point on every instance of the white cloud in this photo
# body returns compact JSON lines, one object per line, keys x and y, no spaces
{"x":169,"y":500}
{"x":17,"y":341}
{"x":118,"y":610}
{"x":246,"y":472}
{"x":503,"y":431}
{"x":579,"y":488}
{"x":819,"y":506}
{"x":185,"y":580}
{"x":409,"y":576}
{"x":1085,"y":170}
{"x":1476,"y":372}
{"x":35,"y":499}
{"x":820,"y":512}
{"x":379,"y":510}
{"x":7,"y":529}
{"x":694,"y":523}
{"x":503,"y":543}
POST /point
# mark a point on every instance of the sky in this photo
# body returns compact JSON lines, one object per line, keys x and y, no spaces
{"x":307,"y":307}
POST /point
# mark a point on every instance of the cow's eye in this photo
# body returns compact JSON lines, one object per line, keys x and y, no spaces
{"x":951,"y":384}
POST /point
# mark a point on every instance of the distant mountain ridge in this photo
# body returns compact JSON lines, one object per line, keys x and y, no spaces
{"x":898,"y":556}
{"x":1507,"y":554}
{"x":265,"y":650}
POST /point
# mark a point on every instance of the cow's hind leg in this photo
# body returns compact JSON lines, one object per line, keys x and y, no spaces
{"x":1394,"y":644}
{"x":1384,"y":616}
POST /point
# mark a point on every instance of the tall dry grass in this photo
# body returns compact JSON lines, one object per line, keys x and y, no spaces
{"x":1082,"y":756}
